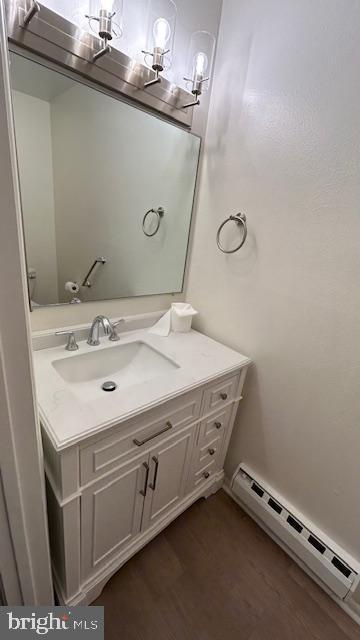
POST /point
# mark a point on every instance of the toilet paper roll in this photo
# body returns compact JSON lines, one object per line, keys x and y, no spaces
{"x":72,"y":287}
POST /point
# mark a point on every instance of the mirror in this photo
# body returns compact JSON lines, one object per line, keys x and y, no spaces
{"x":107,"y":190}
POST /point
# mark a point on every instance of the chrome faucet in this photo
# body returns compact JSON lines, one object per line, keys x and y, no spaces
{"x":108,"y":327}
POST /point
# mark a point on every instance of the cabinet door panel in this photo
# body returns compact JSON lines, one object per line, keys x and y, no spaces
{"x":111,"y":512}
{"x":169,"y":468}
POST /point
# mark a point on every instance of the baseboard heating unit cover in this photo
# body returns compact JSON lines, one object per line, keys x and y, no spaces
{"x":323,"y":559}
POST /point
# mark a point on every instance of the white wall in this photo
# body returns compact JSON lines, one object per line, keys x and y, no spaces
{"x":283,"y":145}
{"x":192,"y":15}
{"x":112,"y":163}
{"x":37,"y":192}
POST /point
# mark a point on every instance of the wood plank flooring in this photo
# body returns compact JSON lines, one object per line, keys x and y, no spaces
{"x":213,"y":574}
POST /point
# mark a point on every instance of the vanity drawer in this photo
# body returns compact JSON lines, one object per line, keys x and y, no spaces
{"x":207,"y":460}
{"x":209,"y":451}
{"x":215,"y":425}
{"x":100,"y":457}
{"x":220,"y":393}
{"x":203,"y":473}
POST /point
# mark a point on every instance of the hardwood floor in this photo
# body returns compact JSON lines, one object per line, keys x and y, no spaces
{"x":213,"y":574}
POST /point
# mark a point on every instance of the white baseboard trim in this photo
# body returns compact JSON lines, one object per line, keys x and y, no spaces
{"x":351,"y":608}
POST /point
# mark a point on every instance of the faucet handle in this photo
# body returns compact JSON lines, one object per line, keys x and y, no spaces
{"x":114,"y":336}
{"x":71,"y":344}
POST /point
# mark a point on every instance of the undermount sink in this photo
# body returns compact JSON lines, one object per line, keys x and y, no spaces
{"x":125,"y":364}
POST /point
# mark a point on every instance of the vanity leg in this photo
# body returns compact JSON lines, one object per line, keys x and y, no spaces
{"x":214,"y":488}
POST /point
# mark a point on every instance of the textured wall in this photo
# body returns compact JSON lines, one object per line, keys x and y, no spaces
{"x":283,"y":145}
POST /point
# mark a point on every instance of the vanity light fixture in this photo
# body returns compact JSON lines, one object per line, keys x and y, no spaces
{"x":160,"y":39}
{"x":107,"y":14}
{"x":29,"y":15}
{"x":201,"y":57}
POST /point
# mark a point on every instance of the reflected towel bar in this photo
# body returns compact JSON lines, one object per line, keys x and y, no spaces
{"x":86,"y":282}
{"x":159,"y":212}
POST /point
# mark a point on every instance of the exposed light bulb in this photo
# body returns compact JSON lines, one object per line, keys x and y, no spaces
{"x":161,"y":32}
{"x":106,"y":5}
{"x":202,"y":46}
{"x":201,"y":64}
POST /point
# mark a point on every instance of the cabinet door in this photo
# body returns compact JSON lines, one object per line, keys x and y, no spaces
{"x":169,"y":468}
{"x":111,"y":512}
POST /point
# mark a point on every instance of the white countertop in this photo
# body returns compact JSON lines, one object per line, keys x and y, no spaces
{"x":68,"y":419}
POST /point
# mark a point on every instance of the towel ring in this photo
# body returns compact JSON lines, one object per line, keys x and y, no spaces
{"x":239,"y":219}
{"x":159,"y":212}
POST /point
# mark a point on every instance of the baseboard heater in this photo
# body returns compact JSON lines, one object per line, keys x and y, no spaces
{"x":327,"y":565}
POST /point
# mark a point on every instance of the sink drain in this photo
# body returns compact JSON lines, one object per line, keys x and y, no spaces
{"x":109,"y":386}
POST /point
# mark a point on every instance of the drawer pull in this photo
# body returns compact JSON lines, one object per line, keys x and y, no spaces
{"x":206,"y":474}
{"x":139,"y":443}
{"x":223,"y":396}
{"x":143,"y":491}
{"x":218,"y":425}
{"x":211,"y":452}
{"x":153,"y":485}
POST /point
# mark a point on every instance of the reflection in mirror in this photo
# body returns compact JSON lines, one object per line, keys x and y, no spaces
{"x":107,"y":191}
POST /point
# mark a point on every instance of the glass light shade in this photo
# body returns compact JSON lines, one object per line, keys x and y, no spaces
{"x":84,"y":8}
{"x":106,"y":5}
{"x":161,"y":25}
{"x":81,"y":9}
{"x":201,"y":58}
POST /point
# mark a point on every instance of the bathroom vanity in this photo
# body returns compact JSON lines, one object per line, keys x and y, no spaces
{"x":120,"y":466}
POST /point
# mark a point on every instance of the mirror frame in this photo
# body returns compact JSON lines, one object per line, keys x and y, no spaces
{"x":76,"y":77}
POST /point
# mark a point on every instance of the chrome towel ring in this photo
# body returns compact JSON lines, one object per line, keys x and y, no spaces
{"x":159,"y":212}
{"x":240,"y":220}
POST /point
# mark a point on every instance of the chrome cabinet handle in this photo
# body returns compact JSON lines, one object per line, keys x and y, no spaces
{"x":152,"y":485}
{"x":139,"y":443}
{"x":218,"y":425}
{"x":71,"y":342}
{"x":211,"y":452}
{"x":206,"y":474}
{"x":223,"y":396}
{"x":147,"y":468}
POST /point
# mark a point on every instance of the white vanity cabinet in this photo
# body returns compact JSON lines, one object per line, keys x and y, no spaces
{"x":143,"y":490}
{"x":169,"y":464}
{"x":110,"y":493}
{"x":111,"y":514}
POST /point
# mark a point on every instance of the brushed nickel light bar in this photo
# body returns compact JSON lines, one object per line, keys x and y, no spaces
{"x":44,"y":33}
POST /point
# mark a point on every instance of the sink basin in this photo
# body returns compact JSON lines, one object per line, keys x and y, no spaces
{"x":148,"y":370}
{"x":125,"y":364}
